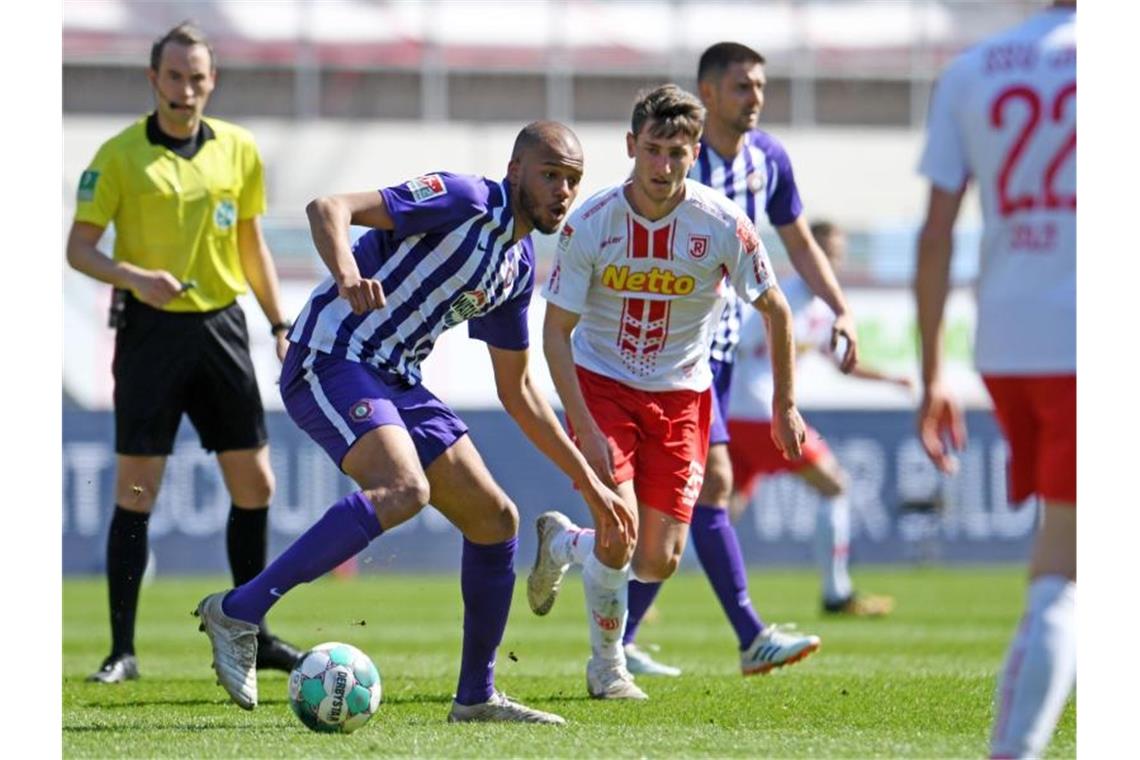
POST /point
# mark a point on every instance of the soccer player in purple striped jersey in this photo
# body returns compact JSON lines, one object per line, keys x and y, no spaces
{"x":752,"y":169}
{"x":444,"y":249}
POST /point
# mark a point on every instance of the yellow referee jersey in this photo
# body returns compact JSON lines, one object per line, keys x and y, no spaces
{"x":175,"y":213}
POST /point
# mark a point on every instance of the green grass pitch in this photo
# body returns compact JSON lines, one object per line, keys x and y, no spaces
{"x":918,"y":684}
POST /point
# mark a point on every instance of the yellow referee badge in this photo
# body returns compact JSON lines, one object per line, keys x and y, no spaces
{"x":225,"y":214}
{"x":87,"y":183}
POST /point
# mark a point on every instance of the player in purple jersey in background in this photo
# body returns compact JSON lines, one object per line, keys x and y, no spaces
{"x":752,"y":169}
{"x":444,"y":249}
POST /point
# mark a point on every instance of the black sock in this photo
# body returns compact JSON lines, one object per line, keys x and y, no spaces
{"x":246,"y":542}
{"x":126,"y":562}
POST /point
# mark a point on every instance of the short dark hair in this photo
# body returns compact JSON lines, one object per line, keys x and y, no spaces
{"x":543,"y":132}
{"x":722,"y":55}
{"x":822,"y":228}
{"x":187,"y":33}
{"x":671,"y":110}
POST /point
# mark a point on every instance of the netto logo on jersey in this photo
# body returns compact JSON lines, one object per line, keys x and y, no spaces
{"x":225,"y":214}
{"x":466,"y":306}
{"x":661,"y":282}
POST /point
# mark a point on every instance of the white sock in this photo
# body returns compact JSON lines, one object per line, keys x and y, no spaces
{"x":832,"y":545}
{"x":1039,"y":670}
{"x":573,"y":546}
{"x":607,"y":605}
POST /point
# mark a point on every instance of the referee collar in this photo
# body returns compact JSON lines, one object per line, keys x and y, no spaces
{"x":188,"y":147}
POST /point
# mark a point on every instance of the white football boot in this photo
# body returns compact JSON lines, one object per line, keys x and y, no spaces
{"x":546,"y":576}
{"x":640,"y":663}
{"x":235,"y":650}
{"x":501,"y":708}
{"x":609,"y":679}
{"x":774,"y":648}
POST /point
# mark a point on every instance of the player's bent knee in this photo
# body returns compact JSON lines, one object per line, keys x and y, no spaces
{"x":657,"y":569}
{"x":498,"y":522}
{"x":717,"y":488}
{"x":400,"y":500}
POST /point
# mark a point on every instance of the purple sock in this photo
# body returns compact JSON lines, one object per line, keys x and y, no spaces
{"x":487,"y":581}
{"x":641,"y":596}
{"x":718,"y":549}
{"x":344,"y":530}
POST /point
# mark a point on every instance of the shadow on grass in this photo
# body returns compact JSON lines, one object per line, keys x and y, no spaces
{"x":172,"y":703}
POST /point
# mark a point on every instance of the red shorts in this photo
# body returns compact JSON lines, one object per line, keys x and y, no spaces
{"x":659,"y":439}
{"x":753,"y":453}
{"x":1038,"y":415}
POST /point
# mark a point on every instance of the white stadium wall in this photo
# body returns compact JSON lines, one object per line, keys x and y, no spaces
{"x":861,"y":179}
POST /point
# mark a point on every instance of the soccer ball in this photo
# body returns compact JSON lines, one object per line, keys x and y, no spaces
{"x":334,"y":688}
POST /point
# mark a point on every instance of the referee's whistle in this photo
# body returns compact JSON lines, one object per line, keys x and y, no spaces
{"x":188,"y":285}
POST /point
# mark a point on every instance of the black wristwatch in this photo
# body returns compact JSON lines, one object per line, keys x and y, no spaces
{"x":279,"y":327}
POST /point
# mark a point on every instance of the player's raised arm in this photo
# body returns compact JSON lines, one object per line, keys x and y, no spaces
{"x":787,"y":427}
{"x":329,"y":219}
{"x":940,"y":420}
{"x":532,"y":413}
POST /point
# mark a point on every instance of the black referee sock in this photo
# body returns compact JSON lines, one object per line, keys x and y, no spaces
{"x":246,"y":541}
{"x":126,"y":562}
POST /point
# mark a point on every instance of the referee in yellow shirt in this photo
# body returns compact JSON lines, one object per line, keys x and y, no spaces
{"x":184,"y":193}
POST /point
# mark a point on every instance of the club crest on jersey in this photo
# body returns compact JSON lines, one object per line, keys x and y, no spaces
{"x":755,"y":182}
{"x":426,"y":187}
{"x":464,"y":307}
{"x":225,"y":214}
{"x":361,"y":410}
{"x":698,"y":247}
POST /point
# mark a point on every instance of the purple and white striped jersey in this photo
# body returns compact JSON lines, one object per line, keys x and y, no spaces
{"x":758,"y":178}
{"x":449,"y":259}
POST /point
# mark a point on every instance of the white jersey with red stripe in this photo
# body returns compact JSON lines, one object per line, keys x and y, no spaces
{"x":1005,"y":114}
{"x":752,"y":384}
{"x":648,"y":291}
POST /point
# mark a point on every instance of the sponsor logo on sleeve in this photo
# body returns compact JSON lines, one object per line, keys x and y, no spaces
{"x":565,"y":237}
{"x":426,"y":187}
{"x":698,"y":246}
{"x":554,"y":284}
{"x":746,"y":233}
{"x":87,"y":182}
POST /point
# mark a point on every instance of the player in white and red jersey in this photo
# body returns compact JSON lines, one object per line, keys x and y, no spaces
{"x":631,"y":303}
{"x":753,"y":170}
{"x":1004,"y":114}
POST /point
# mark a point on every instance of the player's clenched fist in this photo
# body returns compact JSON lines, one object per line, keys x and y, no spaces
{"x":363,"y":295}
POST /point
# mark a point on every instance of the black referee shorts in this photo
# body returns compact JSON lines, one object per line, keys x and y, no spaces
{"x":167,"y":363}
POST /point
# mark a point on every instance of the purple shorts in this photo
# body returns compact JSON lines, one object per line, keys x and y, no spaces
{"x":721,"y":383}
{"x":336,"y":401}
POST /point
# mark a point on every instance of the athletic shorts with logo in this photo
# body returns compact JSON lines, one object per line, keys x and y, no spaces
{"x":336,"y":401}
{"x":659,"y":439}
{"x":1038,"y":415}
{"x":753,"y":453}
{"x":198,"y":363}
